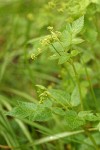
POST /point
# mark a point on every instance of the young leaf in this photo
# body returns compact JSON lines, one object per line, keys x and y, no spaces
{"x":66,"y":38}
{"x":74,"y":53}
{"x":57,"y":46}
{"x":60,"y":97}
{"x":27,"y":105}
{"x":75,"y":97}
{"x":58,"y":111}
{"x":77,"y":25}
{"x":23,"y":110}
{"x":88,"y":115}
{"x":41,"y":114}
{"x":91,"y":117}
{"x":47,"y":103}
{"x":83,"y":114}
{"x":77,"y":41}
{"x":18,"y":112}
{"x":73,"y":120}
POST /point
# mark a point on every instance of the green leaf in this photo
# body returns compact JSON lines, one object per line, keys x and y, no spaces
{"x":87,"y":56}
{"x":34,"y":112}
{"x":23,"y":110}
{"x":77,"y":25}
{"x":66,"y":38}
{"x":57,"y":46}
{"x":75,"y":97}
{"x":88,"y":115}
{"x":77,"y":41}
{"x":73,"y":120}
{"x":47,"y":103}
{"x":58,"y":111}
{"x":68,"y":28}
{"x":64,"y":58}
{"x":60,"y":97}
{"x":74,"y":53}
{"x":27,"y":105}
{"x":83,"y":114}
{"x":41,"y":114}
{"x":91,"y":117}
{"x":18,"y":112}
{"x":98,"y":126}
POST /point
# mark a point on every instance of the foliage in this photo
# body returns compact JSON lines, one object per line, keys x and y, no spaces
{"x":49,"y":74}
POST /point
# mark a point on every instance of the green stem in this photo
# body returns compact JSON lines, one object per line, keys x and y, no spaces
{"x":90,"y":84}
{"x":56,"y":49}
{"x":78,"y":83}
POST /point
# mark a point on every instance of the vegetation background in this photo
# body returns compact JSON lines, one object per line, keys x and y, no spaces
{"x":24,"y":64}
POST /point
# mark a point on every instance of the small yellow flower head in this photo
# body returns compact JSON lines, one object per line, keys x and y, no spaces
{"x":51,"y":4}
{"x":30,"y":16}
{"x":69,"y":20}
{"x":58,"y":33}
{"x":54,"y":35}
{"x":60,"y":10}
{"x":39,"y":50}
{"x":46,"y":40}
{"x":50,"y":28}
{"x":41,"y":101}
{"x":33,"y":56}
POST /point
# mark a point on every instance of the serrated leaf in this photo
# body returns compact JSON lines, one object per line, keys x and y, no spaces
{"x":18,"y":112}
{"x":73,"y":120}
{"x":27,"y":105}
{"x":23,"y":110}
{"x":69,"y":28}
{"x":75,"y":97}
{"x":66,"y":38}
{"x":77,"y":25}
{"x":42,"y":114}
